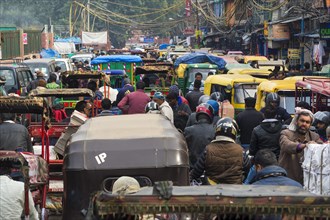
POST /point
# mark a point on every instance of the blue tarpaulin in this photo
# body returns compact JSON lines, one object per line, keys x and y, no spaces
{"x":114,"y":72}
{"x":116,"y":58}
{"x":49,"y":53}
{"x":164,"y":46}
{"x":200,"y":58}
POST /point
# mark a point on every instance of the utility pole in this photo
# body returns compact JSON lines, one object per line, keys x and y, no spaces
{"x":197,"y":27}
{"x":88,"y":20}
{"x":302,"y":32}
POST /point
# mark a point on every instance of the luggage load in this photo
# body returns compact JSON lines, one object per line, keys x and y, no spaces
{"x":316,"y":168}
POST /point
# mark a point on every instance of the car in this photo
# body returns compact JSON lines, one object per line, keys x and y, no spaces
{"x":45,"y":65}
{"x":82,"y":57}
{"x":17,"y":75}
{"x":64,"y":63}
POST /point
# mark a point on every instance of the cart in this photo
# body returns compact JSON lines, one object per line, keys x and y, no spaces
{"x":34,"y":169}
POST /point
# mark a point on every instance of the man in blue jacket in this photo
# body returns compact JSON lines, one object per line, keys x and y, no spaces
{"x":268,"y":172}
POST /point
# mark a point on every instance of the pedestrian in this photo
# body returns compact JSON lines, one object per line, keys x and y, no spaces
{"x":321,"y":123}
{"x":34,"y":83}
{"x":181,"y":111}
{"x":127,"y":88}
{"x":222,"y":159}
{"x":193,"y":96}
{"x":107,"y":91}
{"x":215,"y":105}
{"x":176,"y":90}
{"x":307,"y":69}
{"x":12,"y":199}
{"x":199,"y":135}
{"x":267,"y":134}
{"x":293,"y":141}
{"x":52,"y":82}
{"x":106,"y":108}
{"x":198,"y":76}
{"x":13,"y":136}
{"x":92,"y":85}
{"x":164,"y":108}
{"x":247,"y":120}
{"x":273,"y":101}
{"x":135,"y":102}
{"x":301,"y":104}
{"x":268,"y":171}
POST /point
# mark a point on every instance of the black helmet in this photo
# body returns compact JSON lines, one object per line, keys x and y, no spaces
{"x":203,"y":99}
{"x":272,"y":97}
{"x":321,"y":117}
{"x":227,"y":127}
{"x":151,"y":106}
{"x":217,"y":96}
{"x":206,"y":109}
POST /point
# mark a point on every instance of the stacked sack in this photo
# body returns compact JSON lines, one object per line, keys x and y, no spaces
{"x":316,"y":167}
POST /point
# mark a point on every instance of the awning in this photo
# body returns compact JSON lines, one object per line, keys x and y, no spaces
{"x":310,"y":35}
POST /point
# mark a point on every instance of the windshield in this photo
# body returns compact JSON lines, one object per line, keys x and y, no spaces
{"x":39,"y":67}
{"x":62,"y":65}
{"x":81,"y":59}
{"x":204,"y":72}
{"x":288,"y":100}
{"x":243,"y":91}
{"x":9,"y":75}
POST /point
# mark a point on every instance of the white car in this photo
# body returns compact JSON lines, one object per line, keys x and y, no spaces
{"x":82,"y":57}
{"x":64,"y":63}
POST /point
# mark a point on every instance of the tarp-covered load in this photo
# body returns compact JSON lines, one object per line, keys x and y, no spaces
{"x":83,"y":75}
{"x":61,"y":92}
{"x":49,"y":53}
{"x":200,"y":58}
{"x":152,"y":69}
{"x":241,"y":201}
{"x":116,"y":58}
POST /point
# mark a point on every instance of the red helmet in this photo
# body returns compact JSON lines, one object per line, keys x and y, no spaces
{"x":206,"y":109}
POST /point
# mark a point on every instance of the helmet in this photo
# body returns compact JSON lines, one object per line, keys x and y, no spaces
{"x":203,"y":99}
{"x":206,"y":109}
{"x":217,"y":96}
{"x":151,"y":106}
{"x":321,"y":117}
{"x":272,"y":97}
{"x":125,"y":185}
{"x":227,"y":127}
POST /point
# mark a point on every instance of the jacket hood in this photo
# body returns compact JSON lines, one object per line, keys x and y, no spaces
{"x":271,"y":125}
{"x":277,"y":170}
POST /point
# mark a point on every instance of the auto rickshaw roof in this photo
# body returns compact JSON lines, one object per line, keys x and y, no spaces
{"x":230,"y":79}
{"x":152,"y":69}
{"x":129,"y":141}
{"x":77,"y":92}
{"x":116,"y":58}
{"x":319,"y":85}
{"x":83,"y":75}
{"x":249,"y":71}
{"x":254,"y":58}
{"x":22,"y":105}
{"x":230,"y":66}
{"x":277,"y":85}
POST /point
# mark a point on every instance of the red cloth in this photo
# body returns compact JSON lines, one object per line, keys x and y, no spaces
{"x":59,"y":114}
{"x":136,"y":102}
{"x":184,"y":100}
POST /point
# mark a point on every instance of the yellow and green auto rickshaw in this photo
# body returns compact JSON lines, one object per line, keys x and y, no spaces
{"x":249,"y":59}
{"x":186,"y":73}
{"x":234,"y":87}
{"x":117,"y":62}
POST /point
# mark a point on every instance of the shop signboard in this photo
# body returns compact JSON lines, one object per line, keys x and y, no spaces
{"x":325,"y":30}
{"x":280,"y":32}
{"x":25,"y":38}
{"x":294,"y":54}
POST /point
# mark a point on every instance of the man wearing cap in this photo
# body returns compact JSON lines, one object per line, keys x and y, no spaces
{"x":164,"y":107}
{"x":294,"y":140}
{"x":127,"y":88}
{"x":247,"y":120}
{"x":34,"y":84}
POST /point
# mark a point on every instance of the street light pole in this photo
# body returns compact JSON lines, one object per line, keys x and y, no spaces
{"x":88,"y":19}
{"x":302,"y":32}
{"x":197,"y":26}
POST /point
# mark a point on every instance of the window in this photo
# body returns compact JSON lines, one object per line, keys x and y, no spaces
{"x":204,"y":72}
{"x":222,"y":90}
{"x":9,"y":75}
{"x":62,"y":65}
{"x":243,"y":91}
{"x":287,"y":100}
{"x":21,"y":78}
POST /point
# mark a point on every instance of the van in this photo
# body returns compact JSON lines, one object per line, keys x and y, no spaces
{"x":64,"y":63}
{"x":17,"y":76}
{"x":46,"y":66}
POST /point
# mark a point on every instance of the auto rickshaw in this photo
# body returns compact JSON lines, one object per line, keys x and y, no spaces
{"x":284,"y":88}
{"x":128,"y":63}
{"x":146,"y":146}
{"x":32,"y":168}
{"x":157,"y":78}
{"x":234,"y":87}
{"x":186,"y":73}
{"x":315,"y":91}
{"x":222,"y":201}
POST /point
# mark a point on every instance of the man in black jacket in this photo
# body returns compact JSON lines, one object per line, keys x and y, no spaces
{"x":14,"y":136}
{"x":248,"y":120}
{"x":193,"y":96}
